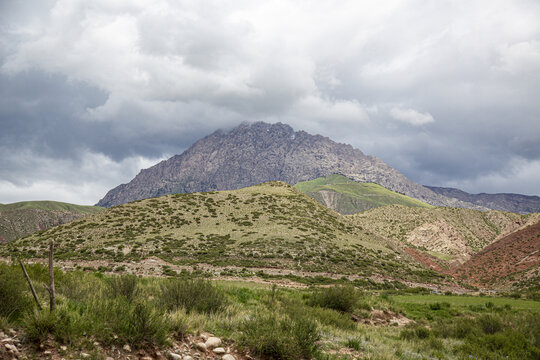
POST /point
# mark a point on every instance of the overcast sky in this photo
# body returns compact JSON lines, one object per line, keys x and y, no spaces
{"x":447,"y":92}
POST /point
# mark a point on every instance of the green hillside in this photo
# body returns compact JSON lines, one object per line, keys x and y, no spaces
{"x":347,"y":196}
{"x":270,"y":225}
{"x":51,"y":205}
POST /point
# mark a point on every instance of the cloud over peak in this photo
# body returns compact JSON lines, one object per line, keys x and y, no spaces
{"x":407,"y":81}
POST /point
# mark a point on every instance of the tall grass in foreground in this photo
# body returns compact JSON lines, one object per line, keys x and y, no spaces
{"x":270,"y":323}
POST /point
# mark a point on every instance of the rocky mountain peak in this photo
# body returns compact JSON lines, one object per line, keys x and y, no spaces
{"x":253,"y":153}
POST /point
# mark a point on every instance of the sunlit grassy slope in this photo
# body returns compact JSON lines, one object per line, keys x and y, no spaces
{"x":349,"y":197}
{"x":271,"y":225}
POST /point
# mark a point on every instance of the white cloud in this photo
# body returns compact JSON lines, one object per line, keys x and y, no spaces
{"x":411,"y":116}
{"x":363,"y":72}
{"x":82,"y":182}
{"x":521,"y":178}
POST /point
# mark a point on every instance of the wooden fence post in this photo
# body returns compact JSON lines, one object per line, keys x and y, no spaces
{"x":30,"y":283}
{"x":50,"y":288}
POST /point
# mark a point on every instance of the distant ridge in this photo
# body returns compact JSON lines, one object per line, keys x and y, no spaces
{"x":255,"y":153}
{"x":50,"y":205}
{"x":521,"y":204}
{"x":24,"y":218}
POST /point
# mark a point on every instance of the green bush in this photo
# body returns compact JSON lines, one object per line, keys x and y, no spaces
{"x":340,"y":298}
{"x":38,"y":324}
{"x":137,"y":323}
{"x":193,"y":295}
{"x":124,"y":285}
{"x":284,"y":337}
{"x":490,"y":324}
{"x":510,"y":344}
{"x":144,"y":325}
{"x":14,"y":292}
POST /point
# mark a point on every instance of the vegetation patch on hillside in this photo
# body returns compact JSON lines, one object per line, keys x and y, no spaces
{"x":347,"y":196}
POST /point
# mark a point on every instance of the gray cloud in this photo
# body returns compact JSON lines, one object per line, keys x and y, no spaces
{"x":446,"y":92}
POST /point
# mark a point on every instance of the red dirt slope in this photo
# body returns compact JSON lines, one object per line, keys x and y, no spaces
{"x":515,"y":252}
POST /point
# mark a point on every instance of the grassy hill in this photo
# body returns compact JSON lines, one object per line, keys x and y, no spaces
{"x":347,"y":196}
{"x":51,"y":205}
{"x":24,"y":218}
{"x":271,"y":225}
{"x":447,"y":234}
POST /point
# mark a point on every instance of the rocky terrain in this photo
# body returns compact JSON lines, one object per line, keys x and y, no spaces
{"x":512,"y":254}
{"x":449,"y":235}
{"x":255,"y":153}
{"x":521,"y":204}
{"x":21,"y":219}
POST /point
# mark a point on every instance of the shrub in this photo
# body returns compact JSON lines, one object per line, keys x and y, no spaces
{"x":145,"y":325}
{"x":490,"y":324}
{"x":38,"y":324}
{"x":198,"y":295}
{"x":124,"y":285}
{"x":137,"y":323}
{"x":14,"y":292}
{"x":463,"y":328}
{"x":340,"y":298}
{"x":284,"y":338}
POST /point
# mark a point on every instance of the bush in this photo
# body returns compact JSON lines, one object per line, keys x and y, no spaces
{"x":280,"y":338}
{"x":144,"y":325}
{"x":137,"y":323}
{"x":490,"y":324}
{"x":340,"y":298}
{"x":38,"y":324}
{"x":14,"y":292}
{"x":463,"y":328}
{"x":124,"y":285}
{"x":198,"y":295}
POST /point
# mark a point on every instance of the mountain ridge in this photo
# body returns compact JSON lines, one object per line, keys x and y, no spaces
{"x":251,"y":154}
{"x":518,"y":203}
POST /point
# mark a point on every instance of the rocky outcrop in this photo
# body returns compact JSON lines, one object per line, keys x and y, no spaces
{"x":255,"y":153}
{"x":521,"y":204}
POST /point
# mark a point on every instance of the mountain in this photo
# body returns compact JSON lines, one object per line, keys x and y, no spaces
{"x":347,"y":196}
{"x":255,"y":153}
{"x":515,"y":257}
{"x":521,"y":204}
{"x":272,"y":225}
{"x":24,"y":218}
{"x":447,"y":236}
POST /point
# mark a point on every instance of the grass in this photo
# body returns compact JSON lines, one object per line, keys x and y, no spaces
{"x":468,"y":301}
{"x":353,"y":197}
{"x":271,"y":322}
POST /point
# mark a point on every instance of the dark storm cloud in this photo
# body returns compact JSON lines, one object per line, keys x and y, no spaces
{"x":447,"y":92}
